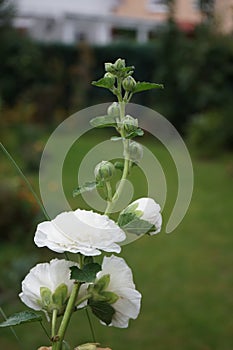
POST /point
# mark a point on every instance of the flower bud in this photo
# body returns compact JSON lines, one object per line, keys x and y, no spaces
{"x":114,"y":110}
{"x":109,"y":67}
{"x":110,"y":77}
{"x":130,"y":124}
{"x":119,"y":64}
{"x":104,"y":171}
{"x":129,"y":83}
{"x":135,"y":151}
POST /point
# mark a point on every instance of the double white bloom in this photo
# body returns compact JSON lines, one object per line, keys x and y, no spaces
{"x":80,"y":231}
{"x":51,"y":276}
{"x":147,"y":209}
{"x":121,"y":283}
{"x":48,"y":276}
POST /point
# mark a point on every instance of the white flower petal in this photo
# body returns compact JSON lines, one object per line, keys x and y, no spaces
{"x":151,"y":212}
{"x":121,"y":283}
{"x":80,"y":231}
{"x":49,"y":275}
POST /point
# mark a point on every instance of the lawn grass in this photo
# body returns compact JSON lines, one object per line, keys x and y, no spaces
{"x":185,"y":277}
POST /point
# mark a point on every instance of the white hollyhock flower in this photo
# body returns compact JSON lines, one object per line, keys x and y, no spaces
{"x":48,"y":286}
{"x":80,"y":231}
{"x":146,"y":209}
{"x":121,"y":283}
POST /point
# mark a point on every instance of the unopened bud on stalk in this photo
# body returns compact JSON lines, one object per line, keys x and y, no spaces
{"x":135,"y":151}
{"x":104,"y":171}
{"x":109,"y":67}
{"x":110,"y":77}
{"x":119,"y":64}
{"x":130,"y":124}
{"x":129,"y":83}
{"x":114,"y":110}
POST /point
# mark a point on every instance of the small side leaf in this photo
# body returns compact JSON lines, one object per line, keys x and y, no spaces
{"x":21,"y":317}
{"x":103,"y":121}
{"x":88,"y":186}
{"x":137,"y":132}
{"x":103,"y":82}
{"x":138,"y":227}
{"x":86,"y":274}
{"x":144,"y":86}
{"x":102,"y":310}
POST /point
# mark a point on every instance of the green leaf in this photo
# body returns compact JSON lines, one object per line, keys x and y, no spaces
{"x":102,"y":310}
{"x":125,"y":218}
{"x":86,"y":274}
{"x":88,"y":186}
{"x":143,"y":86}
{"x":21,"y":317}
{"x":138,"y":227}
{"x":137,"y":132}
{"x":103,"y":121}
{"x":103,"y":82}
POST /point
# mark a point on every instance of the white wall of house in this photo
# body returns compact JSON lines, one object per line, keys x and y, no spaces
{"x":70,"y":21}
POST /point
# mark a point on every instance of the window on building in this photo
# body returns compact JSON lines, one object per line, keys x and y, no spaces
{"x":157,"y":6}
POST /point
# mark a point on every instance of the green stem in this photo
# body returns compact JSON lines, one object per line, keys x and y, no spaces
{"x":91,"y":326}
{"x":66,"y":318}
{"x":26,"y":181}
{"x":12,"y":330}
{"x":81,"y":300}
{"x":54,"y":320}
{"x":119,"y":189}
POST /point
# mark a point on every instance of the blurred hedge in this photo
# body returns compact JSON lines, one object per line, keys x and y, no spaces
{"x":55,"y":79}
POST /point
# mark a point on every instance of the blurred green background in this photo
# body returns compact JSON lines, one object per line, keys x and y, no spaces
{"x":185,"y":277}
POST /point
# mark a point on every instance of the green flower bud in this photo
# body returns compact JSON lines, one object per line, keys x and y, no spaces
{"x":111,"y":78}
{"x":129,"y":83}
{"x":130,"y":124}
{"x":135,"y":151}
{"x":114,"y":110}
{"x":109,"y":67}
{"x":119,"y":64}
{"x":104,"y":171}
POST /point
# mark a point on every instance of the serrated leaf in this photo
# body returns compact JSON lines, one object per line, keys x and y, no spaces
{"x":137,"y":132}
{"x":138,"y":227}
{"x":126,"y":218}
{"x":103,"y":121}
{"x":102,"y":310}
{"x":86,"y":274}
{"x":21,"y":317}
{"x":88,"y":186}
{"x":103,"y":82}
{"x":144,"y":86}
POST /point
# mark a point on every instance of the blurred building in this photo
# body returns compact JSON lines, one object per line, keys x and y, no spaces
{"x":103,"y":21}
